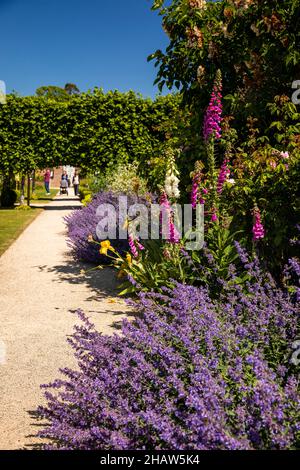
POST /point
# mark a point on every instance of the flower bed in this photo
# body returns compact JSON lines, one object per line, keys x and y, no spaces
{"x":83,"y":223}
{"x":193,"y":373}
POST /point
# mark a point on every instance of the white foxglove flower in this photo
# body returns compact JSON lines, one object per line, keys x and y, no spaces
{"x":171,"y":186}
{"x":172,"y":180}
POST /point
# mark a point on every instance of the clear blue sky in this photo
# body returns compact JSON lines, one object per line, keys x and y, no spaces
{"x":103,"y":43}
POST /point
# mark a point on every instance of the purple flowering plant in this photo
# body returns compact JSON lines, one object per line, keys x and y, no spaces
{"x":291,"y":272}
{"x":81,"y":226}
{"x":191,"y":372}
{"x":213,"y":115}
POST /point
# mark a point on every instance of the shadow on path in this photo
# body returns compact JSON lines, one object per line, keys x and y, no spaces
{"x":102,"y":282}
{"x":37,"y":422}
{"x":60,"y":208}
{"x":59,"y":198}
{"x":102,"y":285}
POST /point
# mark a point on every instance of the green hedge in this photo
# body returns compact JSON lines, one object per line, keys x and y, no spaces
{"x":92,"y":130}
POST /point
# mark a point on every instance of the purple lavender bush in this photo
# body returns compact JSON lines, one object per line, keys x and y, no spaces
{"x":82,"y":223}
{"x":190,"y":373}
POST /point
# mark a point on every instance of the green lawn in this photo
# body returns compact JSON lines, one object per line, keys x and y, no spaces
{"x":41,"y":197}
{"x":12,"y":224}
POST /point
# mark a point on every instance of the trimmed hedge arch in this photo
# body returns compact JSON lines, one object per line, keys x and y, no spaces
{"x":91,"y":130}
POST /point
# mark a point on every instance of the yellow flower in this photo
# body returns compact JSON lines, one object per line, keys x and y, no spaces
{"x":105,"y":246}
{"x":129,"y":258}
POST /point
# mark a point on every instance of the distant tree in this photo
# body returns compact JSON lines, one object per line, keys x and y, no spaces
{"x":54,"y":92}
{"x":72,"y":89}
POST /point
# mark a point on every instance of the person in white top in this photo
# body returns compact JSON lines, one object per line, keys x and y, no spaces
{"x":76,"y":183}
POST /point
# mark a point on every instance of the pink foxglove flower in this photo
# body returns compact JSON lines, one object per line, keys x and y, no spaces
{"x":165,"y":207}
{"x":214,"y":217}
{"x":223,"y":175}
{"x":213,"y":115}
{"x":132,"y":246}
{"x":258,"y":228}
{"x":196,"y":196}
{"x":173,"y":233}
{"x":195,"y":191}
{"x":204,"y":192}
{"x":165,"y":211}
{"x":140,"y":246}
{"x":166,"y":215}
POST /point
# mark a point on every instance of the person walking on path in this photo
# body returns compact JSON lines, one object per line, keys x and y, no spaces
{"x":64,"y":176}
{"x":64,"y":183}
{"x":76,"y":183}
{"x":47,"y":176}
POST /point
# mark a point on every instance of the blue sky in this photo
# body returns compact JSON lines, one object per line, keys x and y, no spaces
{"x":102,"y":43}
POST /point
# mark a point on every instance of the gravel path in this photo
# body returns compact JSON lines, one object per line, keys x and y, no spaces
{"x":40,"y":287}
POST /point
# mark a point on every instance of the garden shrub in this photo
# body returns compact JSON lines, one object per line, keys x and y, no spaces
{"x":87,"y":199}
{"x":83,"y":223}
{"x":191,"y":373}
{"x":83,"y":193}
{"x":124,"y":178}
{"x":8,"y":197}
{"x":23,"y":207}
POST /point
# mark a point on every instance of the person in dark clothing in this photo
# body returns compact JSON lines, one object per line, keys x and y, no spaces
{"x":64,"y":176}
{"x":47,"y":176}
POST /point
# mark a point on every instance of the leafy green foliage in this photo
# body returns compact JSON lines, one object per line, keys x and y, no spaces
{"x":256,"y":46}
{"x":124,"y":179}
{"x":91,"y":130}
{"x":53,"y":92}
{"x":158,"y":266}
{"x":8,"y":197}
{"x":254,"y":43}
{"x":161,"y":264}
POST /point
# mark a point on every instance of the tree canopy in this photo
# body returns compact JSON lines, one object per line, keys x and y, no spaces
{"x":255,"y":43}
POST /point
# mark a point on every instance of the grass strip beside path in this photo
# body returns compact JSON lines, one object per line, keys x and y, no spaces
{"x":12,"y":224}
{"x":41,"y":197}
